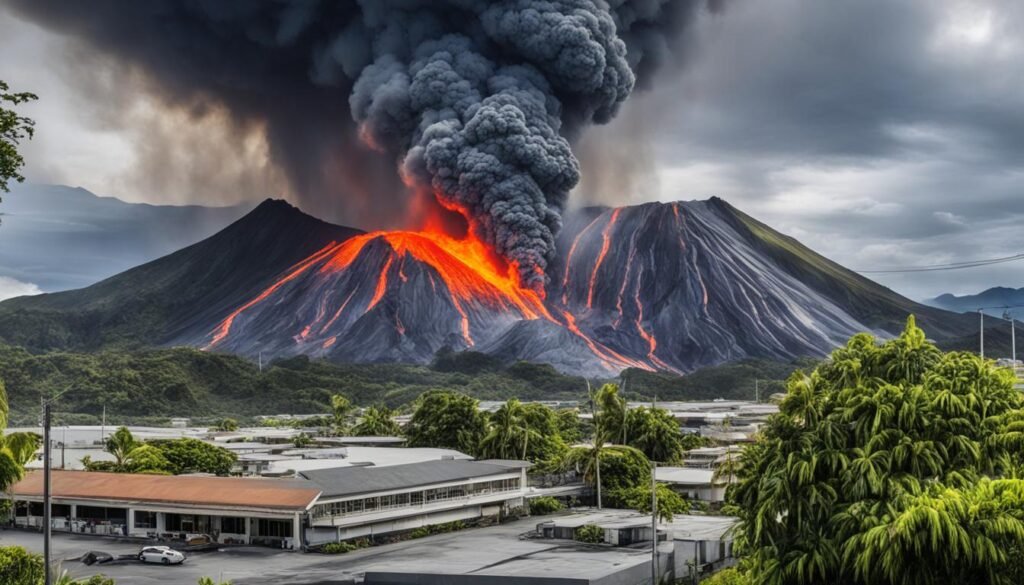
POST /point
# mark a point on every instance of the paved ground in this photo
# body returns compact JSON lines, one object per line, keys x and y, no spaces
{"x":463,"y":551}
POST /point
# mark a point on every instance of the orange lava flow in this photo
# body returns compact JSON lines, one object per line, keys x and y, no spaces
{"x":224,"y":328}
{"x":604,"y":353}
{"x":606,"y":243}
{"x":652,"y":342}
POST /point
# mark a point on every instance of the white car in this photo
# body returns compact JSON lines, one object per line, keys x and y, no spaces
{"x":161,"y":554}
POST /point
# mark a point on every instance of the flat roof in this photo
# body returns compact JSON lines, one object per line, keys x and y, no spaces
{"x":350,"y":481}
{"x":685,"y":475}
{"x":240,"y":492}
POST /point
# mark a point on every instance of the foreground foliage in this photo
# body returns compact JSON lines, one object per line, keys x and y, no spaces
{"x":889,"y":464}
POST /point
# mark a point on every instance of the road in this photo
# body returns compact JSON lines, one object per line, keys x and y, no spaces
{"x":465,"y":550}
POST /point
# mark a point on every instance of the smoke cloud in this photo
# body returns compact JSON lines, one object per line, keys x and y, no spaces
{"x":478,"y":101}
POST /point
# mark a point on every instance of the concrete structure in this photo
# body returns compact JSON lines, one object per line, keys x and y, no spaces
{"x":364,"y":501}
{"x":229,"y":509}
{"x":695,"y":484}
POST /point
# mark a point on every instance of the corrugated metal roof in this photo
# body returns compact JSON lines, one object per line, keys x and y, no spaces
{"x":350,"y":481}
{"x":285,"y":494}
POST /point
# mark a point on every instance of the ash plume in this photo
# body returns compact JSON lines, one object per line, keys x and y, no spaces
{"x":478,"y":100}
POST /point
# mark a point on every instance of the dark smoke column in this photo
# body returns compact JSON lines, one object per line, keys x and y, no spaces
{"x":474,"y":98}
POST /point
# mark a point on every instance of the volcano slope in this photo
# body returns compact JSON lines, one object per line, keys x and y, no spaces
{"x":669,"y":287}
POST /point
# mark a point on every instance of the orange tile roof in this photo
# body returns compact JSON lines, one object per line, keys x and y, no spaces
{"x":242,"y":492}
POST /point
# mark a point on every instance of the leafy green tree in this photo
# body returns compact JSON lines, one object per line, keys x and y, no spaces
{"x":655,"y":432}
{"x":890,"y":463}
{"x":569,"y":427}
{"x":227,"y":425}
{"x":13,"y":130}
{"x":638,"y":498}
{"x":377,"y":421}
{"x":195,"y":456}
{"x":621,"y":466}
{"x":13,"y":454}
{"x":691,"y":441}
{"x":446,"y":419}
{"x":20,"y":567}
{"x":147,"y":459}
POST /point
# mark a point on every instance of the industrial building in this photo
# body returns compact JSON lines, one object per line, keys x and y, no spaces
{"x":320,"y":506}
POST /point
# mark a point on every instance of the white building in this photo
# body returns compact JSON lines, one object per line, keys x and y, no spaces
{"x":364,"y":501}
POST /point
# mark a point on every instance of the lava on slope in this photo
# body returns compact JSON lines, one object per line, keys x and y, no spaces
{"x":396,"y":293}
{"x":668,"y":287}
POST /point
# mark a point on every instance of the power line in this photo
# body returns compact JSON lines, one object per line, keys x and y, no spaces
{"x":951,"y":266}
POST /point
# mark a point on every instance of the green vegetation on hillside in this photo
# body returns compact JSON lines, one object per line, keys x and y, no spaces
{"x":138,"y":386}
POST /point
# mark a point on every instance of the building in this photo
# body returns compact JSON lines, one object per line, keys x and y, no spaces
{"x":229,"y":509}
{"x":694,"y":484}
{"x":320,"y":506}
{"x":365,"y":501}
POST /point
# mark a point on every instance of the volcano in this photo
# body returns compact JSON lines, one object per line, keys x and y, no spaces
{"x":659,"y":286}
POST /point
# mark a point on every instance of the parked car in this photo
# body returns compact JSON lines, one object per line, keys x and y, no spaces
{"x":161,"y":554}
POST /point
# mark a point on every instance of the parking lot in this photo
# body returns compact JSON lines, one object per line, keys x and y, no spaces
{"x":463,"y":551}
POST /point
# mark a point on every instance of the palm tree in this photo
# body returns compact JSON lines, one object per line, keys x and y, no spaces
{"x":120,"y":445}
{"x":377,"y":421}
{"x":341,"y":408}
{"x":510,"y":434}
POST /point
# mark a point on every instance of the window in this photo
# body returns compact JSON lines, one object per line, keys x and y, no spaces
{"x":60,"y":510}
{"x":172,"y":522}
{"x":232,"y":525}
{"x":145,"y":519}
{"x":99,"y":514}
{"x":275,"y":528}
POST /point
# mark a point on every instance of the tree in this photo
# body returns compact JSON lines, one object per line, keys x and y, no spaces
{"x":638,"y":498}
{"x":13,"y":130}
{"x":655,"y":432}
{"x":147,"y":459}
{"x":377,"y":421}
{"x":341,"y":408}
{"x":510,"y":434}
{"x":610,"y":415}
{"x":227,"y":425}
{"x":120,"y":445}
{"x":621,"y":466}
{"x":446,"y":419}
{"x":890,"y":463}
{"x":12,"y":454}
{"x":20,"y":567}
{"x":195,"y":456}
{"x":569,"y":427}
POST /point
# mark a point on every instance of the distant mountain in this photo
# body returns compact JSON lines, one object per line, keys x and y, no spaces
{"x":57,"y":238}
{"x":658,"y":286}
{"x":993,"y":300}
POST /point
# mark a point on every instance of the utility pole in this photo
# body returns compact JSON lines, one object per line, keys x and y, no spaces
{"x":103,"y":425}
{"x":757,"y":390}
{"x":654,"y":512}
{"x":46,"y":493}
{"x":260,"y":358}
{"x":597,"y":448}
{"x":981,"y":337}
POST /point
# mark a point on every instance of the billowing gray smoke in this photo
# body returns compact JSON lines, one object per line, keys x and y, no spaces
{"x":477,"y":118}
{"x":478,"y":99}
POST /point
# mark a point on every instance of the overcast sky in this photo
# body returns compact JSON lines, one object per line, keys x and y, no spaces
{"x":882,"y":134}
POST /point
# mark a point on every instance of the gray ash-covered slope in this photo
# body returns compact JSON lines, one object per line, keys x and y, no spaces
{"x":658,"y":286}
{"x":156,"y":303}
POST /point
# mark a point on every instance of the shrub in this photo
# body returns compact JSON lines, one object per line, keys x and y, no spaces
{"x":437,"y":529}
{"x":340,"y":548}
{"x":544,"y":505}
{"x":20,"y":567}
{"x":590,"y":534}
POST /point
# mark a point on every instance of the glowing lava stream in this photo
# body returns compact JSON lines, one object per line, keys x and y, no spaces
{"x":606,"y":242}
{"x":652,"y":342}
{"x":465,"y":267}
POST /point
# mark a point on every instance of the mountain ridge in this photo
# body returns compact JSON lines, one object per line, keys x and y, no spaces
{"x":659,"y":286}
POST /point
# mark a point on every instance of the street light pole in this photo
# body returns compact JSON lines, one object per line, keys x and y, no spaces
{"x":654,"y":511}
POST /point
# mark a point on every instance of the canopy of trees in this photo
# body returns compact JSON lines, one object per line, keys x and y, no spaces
{"x":891,"y":463}
{"x":377,"y":421}
{"x":174,"y":456}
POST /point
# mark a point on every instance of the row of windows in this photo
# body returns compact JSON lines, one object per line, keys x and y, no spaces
{"x":409,"y":499}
